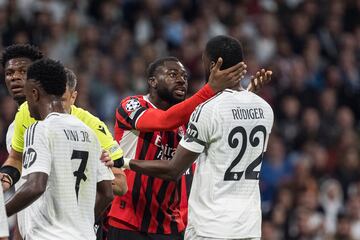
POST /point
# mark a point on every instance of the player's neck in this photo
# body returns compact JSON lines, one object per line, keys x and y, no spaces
{"x":158,"y":102}
{"x":50,"y":106}
{"x":19,"y":102}
{"x":237,"y":88}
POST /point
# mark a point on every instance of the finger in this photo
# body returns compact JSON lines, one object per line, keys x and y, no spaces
{"x":268,"y":76}
{"x":239,"y":72}
{"x":218,"y":64}
{"x":238,"y":67}
{"x":250,"y":86}
{"x":262,"y":73}
{"x":260,"y":82}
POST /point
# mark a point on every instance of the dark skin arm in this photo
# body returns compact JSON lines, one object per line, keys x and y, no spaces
{"x":165,"y":169}
{"x":104,"y":196}
{"x":15,"y":160}
{"x":30,"y":191}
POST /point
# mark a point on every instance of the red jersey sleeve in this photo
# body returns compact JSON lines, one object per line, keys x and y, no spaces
{"x":129,"y":111}
{"x":158,"y":120}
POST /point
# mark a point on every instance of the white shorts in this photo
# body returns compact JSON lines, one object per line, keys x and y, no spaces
{"x":190,"y":234}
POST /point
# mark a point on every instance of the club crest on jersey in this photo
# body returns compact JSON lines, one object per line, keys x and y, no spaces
{"x":132,"y":105}
{"x":29,"y":157}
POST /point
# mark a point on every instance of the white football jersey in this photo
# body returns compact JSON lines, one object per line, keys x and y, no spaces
{"x":4,"y":228}
{"x":231,"y":131}
{"x":68,"y":152}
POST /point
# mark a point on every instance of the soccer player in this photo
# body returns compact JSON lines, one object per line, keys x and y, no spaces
{"x":228,"y":135}
{"x":15,"y":60}
{"x":4,"y":228}
{"x":152,"y":208}
{"x":66,"y":185}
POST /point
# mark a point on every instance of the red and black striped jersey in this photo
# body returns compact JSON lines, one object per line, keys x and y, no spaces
{"x":151,"y":204}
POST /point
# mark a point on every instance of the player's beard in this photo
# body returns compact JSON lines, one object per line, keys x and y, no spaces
{"x":168,"y":96}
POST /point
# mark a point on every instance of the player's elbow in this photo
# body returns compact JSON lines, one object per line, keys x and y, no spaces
{"x":36,"y":189}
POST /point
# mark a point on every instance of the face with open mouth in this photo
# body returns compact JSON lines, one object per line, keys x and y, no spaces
{"x":174,"y":84}
{"x":15,"y":77}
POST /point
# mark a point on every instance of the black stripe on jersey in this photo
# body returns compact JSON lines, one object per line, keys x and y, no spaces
{"x":147,"y":213}
{"x":189,"y":138}
{"x":33,"y":133}
{"x":124,"y":115}
{"x":121,"y":125}
{"x":173,"y":224}
{"x":136,"y":115}
{"x":160,"y":216}
{"x":27,"y":137}
{"x":137,"y":182}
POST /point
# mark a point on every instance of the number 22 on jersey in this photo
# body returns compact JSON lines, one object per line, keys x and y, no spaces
{"x":233,"y":142}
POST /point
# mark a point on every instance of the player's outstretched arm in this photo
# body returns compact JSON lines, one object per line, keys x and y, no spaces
{"x":168,"y":170}
{"x":104,"y":196}
{"x":10,"y":172}
{"x":30,"y":191}
{"x":179,"y":114}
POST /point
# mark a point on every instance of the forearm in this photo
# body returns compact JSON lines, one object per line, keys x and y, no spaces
{"x":119,"y":184}
{"x":14,"y":162}
{"x":179,"y":114}
{"x":11,"y":170}
{"x":157,"y":168}
{"x":104,"y":196}
{"x":26,"y":195}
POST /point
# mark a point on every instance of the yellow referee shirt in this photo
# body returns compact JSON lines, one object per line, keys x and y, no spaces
{"x":107,"y":142}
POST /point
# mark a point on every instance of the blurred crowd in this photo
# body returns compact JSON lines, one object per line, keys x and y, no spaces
{"x":310,"y":175}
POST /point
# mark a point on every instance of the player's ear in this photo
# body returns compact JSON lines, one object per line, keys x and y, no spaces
{"x":73,"y":97}
{"x":152,"y":81}
{"x":36,"y":94}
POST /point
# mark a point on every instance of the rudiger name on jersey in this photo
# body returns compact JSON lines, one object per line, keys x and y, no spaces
{"x":250,"y":113}
{"x":73,"y":135}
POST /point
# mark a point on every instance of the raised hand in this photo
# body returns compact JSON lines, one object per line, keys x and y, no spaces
{"x":261,"y":78}
{"x":227,"y":78}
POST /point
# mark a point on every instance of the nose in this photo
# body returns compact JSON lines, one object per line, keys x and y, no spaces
{"x":181,"y":79}
{"x":16,"y":76}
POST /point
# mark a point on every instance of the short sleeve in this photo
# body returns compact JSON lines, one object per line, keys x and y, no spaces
{"x":129,"y":111}
{"x":199,"y":129}
{"x":4,"y":228}
{"x":37,"y":154}
{"x":101,"y":131}
{"x":104,"y":173}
